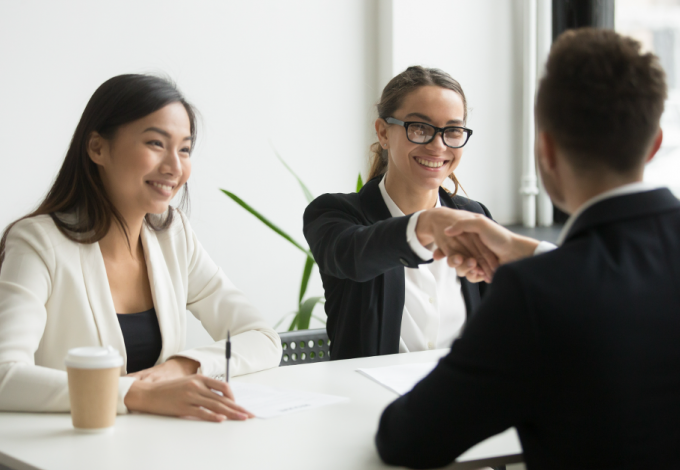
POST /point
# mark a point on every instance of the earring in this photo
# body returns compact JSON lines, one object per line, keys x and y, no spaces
{"x":384,"y":146}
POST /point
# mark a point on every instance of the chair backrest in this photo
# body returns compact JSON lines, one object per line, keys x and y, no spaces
{"x":305,"y":346}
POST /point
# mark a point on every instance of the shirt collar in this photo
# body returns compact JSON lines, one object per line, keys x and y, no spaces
{"x":630,"y":188}
{"x":391,"y":205}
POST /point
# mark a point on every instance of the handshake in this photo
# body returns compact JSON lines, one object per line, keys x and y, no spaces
{"x":473,"y":244}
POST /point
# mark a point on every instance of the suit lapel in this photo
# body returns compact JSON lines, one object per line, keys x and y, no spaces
{"x":163,"y":293}
{"x":393,"y":285}
{"x":619,"y":208}
{"x":372,"y":202}
{"x":99,"y":296}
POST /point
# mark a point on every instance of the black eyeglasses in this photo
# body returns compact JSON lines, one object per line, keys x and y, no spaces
{"x":422,"y":133}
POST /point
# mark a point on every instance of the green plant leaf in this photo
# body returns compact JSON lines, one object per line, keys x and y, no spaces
{"x":305,"y":190}
{"x":305,"y":313}
{"x":360,"y":183}
{"x":309,"y":264}
{"x":294,"y":322}
{"x":264,"y":220}
{"x":320,"y":319}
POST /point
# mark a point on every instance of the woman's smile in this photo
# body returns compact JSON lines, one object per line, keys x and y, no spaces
{"x":162,"y":187}
{"x":431,"y":164}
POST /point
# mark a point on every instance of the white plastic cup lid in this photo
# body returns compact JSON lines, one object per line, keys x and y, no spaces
{"x":93,"y":358}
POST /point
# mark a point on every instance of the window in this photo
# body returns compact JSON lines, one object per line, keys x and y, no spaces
{"x":656,"y":24}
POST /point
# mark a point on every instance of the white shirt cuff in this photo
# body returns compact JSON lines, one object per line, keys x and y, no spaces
{"x":544,"y":247}
{"x":423,"y":252}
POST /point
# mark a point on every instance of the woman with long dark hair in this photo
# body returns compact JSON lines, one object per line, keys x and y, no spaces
{"x":105,"y":260}
{"x":373,"y":248}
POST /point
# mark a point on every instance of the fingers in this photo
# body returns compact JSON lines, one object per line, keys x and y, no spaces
{"x":475,"y":277}
{"x":466,"y":240}
{"x":222,"y":406}
{"x":220,"y":386}
{"x":207,"y":415}
{"x":473,"y":224}
{"x":227,"y":402}
{"x":227,"y":399}
{"x":488,"y":255}
{"x":461,"y":265}
{"x":450,"y":246}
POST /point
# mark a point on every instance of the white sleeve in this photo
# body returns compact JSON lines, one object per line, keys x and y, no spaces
{"x":423,"y":252}
{"x":25,"y":287}
{"x":544,"y":247}
{"x":221,"y":307}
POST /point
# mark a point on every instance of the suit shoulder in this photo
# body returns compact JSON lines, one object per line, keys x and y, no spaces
{"x":38,"y":235}
{"x":37,"y":228}
{"x":343,"y":202}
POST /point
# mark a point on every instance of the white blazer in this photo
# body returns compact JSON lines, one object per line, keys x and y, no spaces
{"x":54,"y":295}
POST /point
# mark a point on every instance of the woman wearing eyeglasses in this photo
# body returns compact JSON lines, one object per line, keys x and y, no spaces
{"x":106,"y":261}
{"x":374,"y":248}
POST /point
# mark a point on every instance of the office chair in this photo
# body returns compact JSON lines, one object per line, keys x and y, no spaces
{"x":305,"y":346}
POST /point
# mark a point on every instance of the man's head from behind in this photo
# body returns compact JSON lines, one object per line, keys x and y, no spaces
{"x":600,"y":103}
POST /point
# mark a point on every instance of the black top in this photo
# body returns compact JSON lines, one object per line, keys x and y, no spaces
{"x":361,"y":251}
{"x":584,"y":342}
{"x":143,"y":341}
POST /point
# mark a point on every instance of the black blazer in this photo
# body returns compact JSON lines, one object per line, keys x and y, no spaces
{"x":361,"y":251}
{"x":584,"y":341}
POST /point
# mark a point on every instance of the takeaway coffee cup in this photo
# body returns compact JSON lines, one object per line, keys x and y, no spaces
{"x":93,"y":374}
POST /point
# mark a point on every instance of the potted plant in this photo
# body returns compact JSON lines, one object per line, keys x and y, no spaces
{"x":305,"y":307}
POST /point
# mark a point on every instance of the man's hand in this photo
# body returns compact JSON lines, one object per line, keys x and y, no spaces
{"x":488,"y":235}
{"x":467,"y":253}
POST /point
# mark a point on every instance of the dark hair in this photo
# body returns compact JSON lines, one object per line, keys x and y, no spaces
{"x":601,"y":99}
{"x":393,"y":96}
{"x":77,"y":201}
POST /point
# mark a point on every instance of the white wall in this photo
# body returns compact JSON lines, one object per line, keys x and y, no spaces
{"x":479,"y":44}
{"x":303,"y":73}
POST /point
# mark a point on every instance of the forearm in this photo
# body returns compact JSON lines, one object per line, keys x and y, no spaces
{"x":252,"y":351}
{"x":520,"y":247}
{"x":25,"y":387}
{"x":358,"y":252}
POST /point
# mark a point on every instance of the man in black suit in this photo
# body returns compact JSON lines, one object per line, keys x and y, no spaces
{"x":578,"y":348}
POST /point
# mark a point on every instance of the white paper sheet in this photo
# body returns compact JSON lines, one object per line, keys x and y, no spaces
{"x":401,"y":378}
{"x":269,"y":402}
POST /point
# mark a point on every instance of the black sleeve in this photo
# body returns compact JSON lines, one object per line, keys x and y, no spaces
{"x":344,"y":246}
{"x":483,"y":286}
{"x":482,"y":387}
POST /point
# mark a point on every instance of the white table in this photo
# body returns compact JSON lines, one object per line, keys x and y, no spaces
{"x":338,"y":436}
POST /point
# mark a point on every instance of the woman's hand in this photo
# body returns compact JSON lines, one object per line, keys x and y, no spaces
{"x":174,"y":368}
{"x":188,"y":396}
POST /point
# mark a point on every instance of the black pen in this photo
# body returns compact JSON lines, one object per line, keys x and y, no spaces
{"x":228,"y":355}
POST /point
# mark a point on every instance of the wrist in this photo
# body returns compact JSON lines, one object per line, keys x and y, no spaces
{"x":523,"y":247}
{"x":134,"y":398}
{"x":187,"y":366}
{"x":423,"y":231}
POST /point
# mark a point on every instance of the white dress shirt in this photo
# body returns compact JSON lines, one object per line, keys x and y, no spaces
{"x":434,"y":308}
